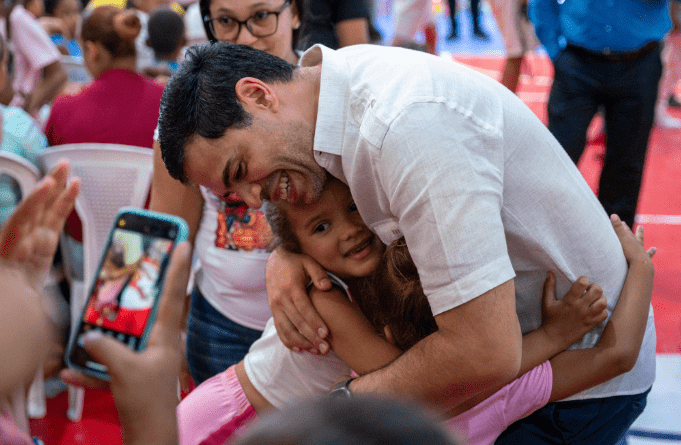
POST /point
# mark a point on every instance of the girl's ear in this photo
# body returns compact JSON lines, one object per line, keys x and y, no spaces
{"x":389,"y":335}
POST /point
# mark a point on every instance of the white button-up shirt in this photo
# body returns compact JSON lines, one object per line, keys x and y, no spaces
{"x":480,"y":189}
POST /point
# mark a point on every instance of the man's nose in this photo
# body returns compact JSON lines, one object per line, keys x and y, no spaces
{"x":251,"y":195}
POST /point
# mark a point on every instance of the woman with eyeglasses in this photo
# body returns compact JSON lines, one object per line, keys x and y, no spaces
{"x":228,"y":306}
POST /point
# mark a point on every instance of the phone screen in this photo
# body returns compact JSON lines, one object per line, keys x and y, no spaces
{"x":127,"y":284}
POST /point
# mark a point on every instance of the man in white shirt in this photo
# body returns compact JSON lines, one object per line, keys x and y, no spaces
{"x":486,"y":198}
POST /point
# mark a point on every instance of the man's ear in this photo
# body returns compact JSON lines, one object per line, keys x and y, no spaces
{"x":255,"y":94}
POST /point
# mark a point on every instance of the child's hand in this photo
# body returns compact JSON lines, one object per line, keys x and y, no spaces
{"x":583,"y":308}
{"x":632,"y":245}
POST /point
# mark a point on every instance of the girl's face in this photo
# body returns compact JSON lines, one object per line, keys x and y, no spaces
{"x":333,"y":233}
{"x":69,"y":12}
{"x":278,"y":44}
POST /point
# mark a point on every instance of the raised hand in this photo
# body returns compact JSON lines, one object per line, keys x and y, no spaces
{"x":30,"y":236}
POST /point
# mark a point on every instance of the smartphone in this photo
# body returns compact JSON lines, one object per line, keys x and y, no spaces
{"x":123,"y":298}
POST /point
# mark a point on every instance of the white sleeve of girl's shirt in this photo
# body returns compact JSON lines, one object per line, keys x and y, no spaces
{"x":32,"y":40}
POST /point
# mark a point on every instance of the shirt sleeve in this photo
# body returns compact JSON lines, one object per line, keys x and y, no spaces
{"x":32,"y":40}
{"x":443,"y":171}
{"x":544,"y":16}
{"x":22,"y":135}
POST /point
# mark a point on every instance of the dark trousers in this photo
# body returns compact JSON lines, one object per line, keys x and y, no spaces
{"x":214,"y":342}
{"x":475,"y":12}
{"x":582,"y":422}
{"x":626,"y":90}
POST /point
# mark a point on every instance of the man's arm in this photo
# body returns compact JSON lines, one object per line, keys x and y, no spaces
{"x":477,"y":346}
{"x":298,"y":324}
{"x":544,"y":16}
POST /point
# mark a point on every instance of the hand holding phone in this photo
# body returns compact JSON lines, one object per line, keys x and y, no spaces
{"x":123,"y":297}
{"x":144,"y":385}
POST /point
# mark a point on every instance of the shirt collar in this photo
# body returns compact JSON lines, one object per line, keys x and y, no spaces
{"x":333,"y":98}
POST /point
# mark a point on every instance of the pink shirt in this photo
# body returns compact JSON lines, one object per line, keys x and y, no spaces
{"x":483,"y":423}
{"x":33,"y":51}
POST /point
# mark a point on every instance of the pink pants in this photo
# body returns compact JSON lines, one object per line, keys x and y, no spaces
{"x":215,"y":411}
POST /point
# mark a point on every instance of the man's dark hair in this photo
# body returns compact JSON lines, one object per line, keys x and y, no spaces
{"x":200,"y":98}
{"x":166,"y":31}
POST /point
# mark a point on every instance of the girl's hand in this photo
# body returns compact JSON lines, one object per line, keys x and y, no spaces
{"x":632,"y":245}
{"x":583,"y":308}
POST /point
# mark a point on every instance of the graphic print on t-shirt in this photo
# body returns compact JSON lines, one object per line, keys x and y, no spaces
{"x":241,"y":228}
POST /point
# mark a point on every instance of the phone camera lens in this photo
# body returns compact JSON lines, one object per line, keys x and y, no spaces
{"x":147,"y":229}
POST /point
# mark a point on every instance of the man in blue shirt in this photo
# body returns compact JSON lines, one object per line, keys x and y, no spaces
{"x":606,"y":53}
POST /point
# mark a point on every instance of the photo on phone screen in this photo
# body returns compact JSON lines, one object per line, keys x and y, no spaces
{"x":127,"y":285}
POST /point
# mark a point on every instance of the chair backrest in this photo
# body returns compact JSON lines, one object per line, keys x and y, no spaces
{"x":25,"y":173}
{"x":112,"y":176}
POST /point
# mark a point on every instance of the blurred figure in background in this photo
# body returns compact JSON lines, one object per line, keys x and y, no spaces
{"x":671,"y":74}
{"x":61,"y":21}
{"x":475,"y":20}
{"x":411,"y":17}
{"x":38,"y":73}
{"x":369,"y":421}
{"x":21,"y":136}
{"x":166,"y":38}
{"x":519,"y":37}
{"x":336,"y":23}
{"x":605,"y":54}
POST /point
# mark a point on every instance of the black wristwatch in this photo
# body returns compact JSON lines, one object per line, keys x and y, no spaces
{"x":342,"y":390}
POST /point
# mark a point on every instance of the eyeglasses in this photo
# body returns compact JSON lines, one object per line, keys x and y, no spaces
{"x":260,"y":24}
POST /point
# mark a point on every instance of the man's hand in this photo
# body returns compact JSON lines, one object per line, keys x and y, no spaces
{"x":298,"y":324}
{"x":583,"y":308}
{"x":144,"y":385}
{"x":30,"y":236}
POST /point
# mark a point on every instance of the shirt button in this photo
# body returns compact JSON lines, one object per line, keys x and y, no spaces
{"x":609,"y":3}
{"x":606,"y":50}
{"x":608,"y":28}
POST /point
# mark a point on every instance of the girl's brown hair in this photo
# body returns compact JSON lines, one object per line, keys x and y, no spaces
{"x":115,"y":28}
{"x":393,"y":297}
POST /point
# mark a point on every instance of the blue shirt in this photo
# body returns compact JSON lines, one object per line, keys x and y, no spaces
{"x":601,"y":26}
{"x":71,"y":46}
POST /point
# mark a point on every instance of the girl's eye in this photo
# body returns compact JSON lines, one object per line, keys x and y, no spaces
{"x":353,"y":207}
{"x":321,"y":227}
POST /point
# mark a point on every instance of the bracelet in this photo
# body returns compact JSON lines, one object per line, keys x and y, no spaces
{"x":342,"y":390}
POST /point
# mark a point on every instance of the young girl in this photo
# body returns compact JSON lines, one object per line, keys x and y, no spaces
{"x":332,"y":232}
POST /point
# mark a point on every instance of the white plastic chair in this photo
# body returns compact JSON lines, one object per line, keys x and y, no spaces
{"x":112,"y":176}
{"x":26,"y":175}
